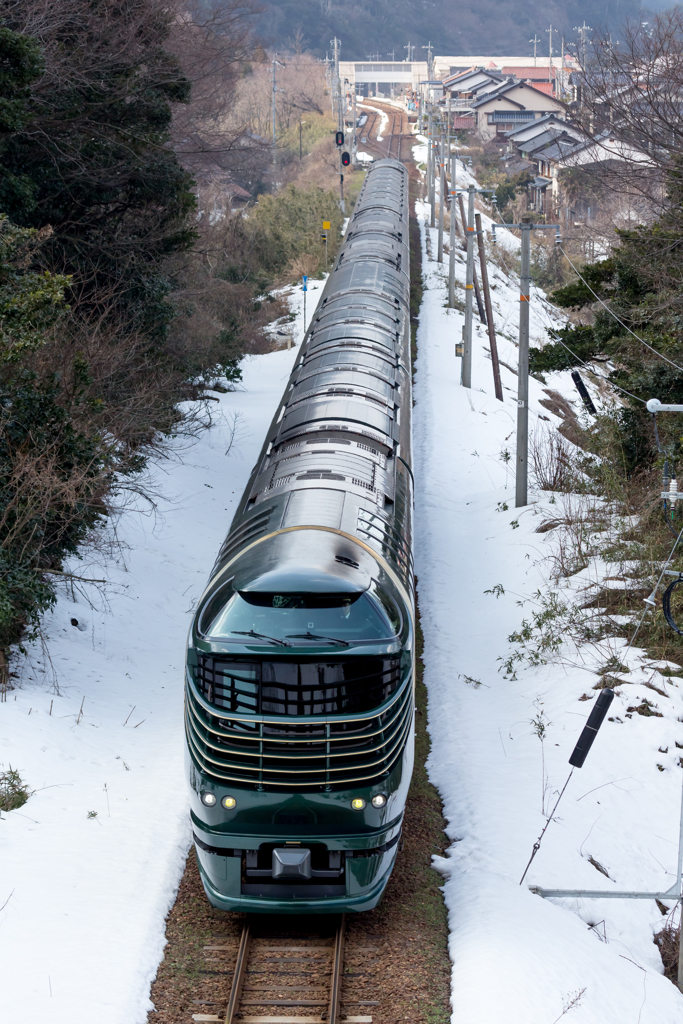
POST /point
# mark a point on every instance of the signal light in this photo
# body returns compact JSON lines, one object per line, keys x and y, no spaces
{"x":339,"y":138}
{"x":346,"y":159}
{"x":358,"y":804}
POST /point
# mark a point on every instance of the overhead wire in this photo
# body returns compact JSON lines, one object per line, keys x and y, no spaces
{"x":600,"y":375}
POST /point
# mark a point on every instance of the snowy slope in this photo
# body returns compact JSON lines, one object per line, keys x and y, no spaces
{"x":516,"y":957}
{"x":82,"y":926}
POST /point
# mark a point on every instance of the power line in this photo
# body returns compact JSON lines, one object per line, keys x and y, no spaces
{"x":612,"y":313}
{"x":599,"y":375}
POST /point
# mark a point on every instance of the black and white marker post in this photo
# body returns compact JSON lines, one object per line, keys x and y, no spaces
{"x":577,"y":758}
{"x":675,"y":893}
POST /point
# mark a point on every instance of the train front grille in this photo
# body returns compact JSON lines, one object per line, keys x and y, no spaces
{"x":317,"y":738}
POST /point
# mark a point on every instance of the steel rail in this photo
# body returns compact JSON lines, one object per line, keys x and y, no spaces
{"x":239,"y":975}
{"x":333,"y":1015}
{"x":326,"y":996}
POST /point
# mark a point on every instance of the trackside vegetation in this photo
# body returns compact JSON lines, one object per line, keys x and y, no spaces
{"x":122,"y":294}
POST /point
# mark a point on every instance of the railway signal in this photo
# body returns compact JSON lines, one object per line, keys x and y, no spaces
{"x":346,"y":159}
{"x":339,"y":138}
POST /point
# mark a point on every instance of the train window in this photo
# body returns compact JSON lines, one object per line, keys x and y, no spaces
{"x":296,"y":619}
{"x":292,"y":687}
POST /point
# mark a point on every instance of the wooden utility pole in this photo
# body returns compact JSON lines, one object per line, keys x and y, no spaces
{"x":489,"y":310}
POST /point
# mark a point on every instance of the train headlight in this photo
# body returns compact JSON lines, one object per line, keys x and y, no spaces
{"x":228,"y":802}
{"x":358,"y":804}
{"x":208,"y":799}
{"x":379,"y":800}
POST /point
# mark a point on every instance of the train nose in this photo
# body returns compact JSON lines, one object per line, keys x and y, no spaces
{"x":291,"y":863}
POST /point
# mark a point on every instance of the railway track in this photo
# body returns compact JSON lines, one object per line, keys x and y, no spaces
{"x":395,"y":137}
{"x":393,"y":140}
{"x":281,"y":976}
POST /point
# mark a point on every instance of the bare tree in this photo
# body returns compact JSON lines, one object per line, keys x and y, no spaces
{"x":630,"y":106}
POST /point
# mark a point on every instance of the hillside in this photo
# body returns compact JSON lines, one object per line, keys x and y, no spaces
{"x":369,"y":27}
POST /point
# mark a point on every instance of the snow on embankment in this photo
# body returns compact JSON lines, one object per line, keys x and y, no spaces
{"x":500,"y":745}
{"x":88,"y":872}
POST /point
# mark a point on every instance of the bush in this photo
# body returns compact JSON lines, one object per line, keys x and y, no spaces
{"x":13,"y":792}
{"x":556,"y":356}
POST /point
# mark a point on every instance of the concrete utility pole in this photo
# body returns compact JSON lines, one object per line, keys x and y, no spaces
{"x":430,"y":169}
{"x":354,"y":143}
{"x":428,"y":48}
{"x":535,"y":41}
{"x":442,"y":199}
{"x":522,"y":457}
{"x":582,"y":30}
{"x":451,"y":251}
{"x":435,"y":160}
{"x":275,"y":90}
{"x":337,"y":94}
{"x":466,"y":379}
{"x":550,"y":54}
{"x":522,"y":468}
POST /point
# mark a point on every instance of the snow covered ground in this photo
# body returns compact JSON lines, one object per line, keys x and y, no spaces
{"x":91,"y":864}
{"x":500,"y":745}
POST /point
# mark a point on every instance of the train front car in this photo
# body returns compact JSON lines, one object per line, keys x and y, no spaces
{"x":300,"y":669}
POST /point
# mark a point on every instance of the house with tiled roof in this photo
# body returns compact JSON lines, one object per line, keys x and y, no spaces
{"x":500,"y":110}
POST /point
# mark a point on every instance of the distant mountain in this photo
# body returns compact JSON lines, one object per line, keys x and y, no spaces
{"x":497,"y":27}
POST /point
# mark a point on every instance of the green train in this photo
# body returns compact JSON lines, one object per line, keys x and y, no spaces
{"x":299,"y":708}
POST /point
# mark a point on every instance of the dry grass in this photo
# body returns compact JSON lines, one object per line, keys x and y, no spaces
{"x":667,"y":940}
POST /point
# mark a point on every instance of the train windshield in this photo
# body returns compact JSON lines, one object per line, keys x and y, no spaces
{"x":301,"y":619}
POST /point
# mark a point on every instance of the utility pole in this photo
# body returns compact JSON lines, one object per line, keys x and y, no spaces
{"x":535,"y":41}
{"x":451,"y":251}
{"x":275,"y":89}
{"x":582,"y":30}
{"x":522,"y":457}
{"x":411,"y":50}
{"x":550,"y":53}
{"x":466,"y":378}
{"x":489,"y":310}
{"x":428,"y":48}
{"x":354,"y":142}
{"x":442,"y":199}
{"x":430,"y":169}
{"x":336,"y":44}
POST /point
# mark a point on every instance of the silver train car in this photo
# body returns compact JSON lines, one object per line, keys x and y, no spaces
{"x":300,"y":667}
